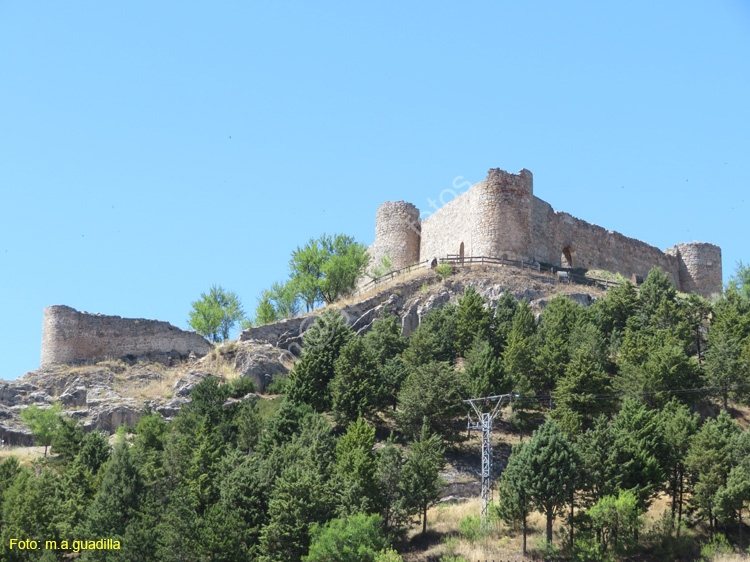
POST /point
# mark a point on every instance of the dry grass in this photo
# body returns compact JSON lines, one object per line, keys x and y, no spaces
{"x":25,"y":455}
{"x":731,"y":558}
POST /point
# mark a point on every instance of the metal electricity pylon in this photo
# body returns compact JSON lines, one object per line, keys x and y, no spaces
{"x":484,"y":422}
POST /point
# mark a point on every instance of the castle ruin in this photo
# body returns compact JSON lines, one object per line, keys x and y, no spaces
{"x":500,"y":217}
{"x":69,"y":336}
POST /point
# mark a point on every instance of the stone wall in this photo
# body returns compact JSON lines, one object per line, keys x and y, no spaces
{"x":500,"y":217}
{"x":593,"y":247}
{"x":70,"y":336}
{"x":397,"y":231}
{"x":445,"y":230}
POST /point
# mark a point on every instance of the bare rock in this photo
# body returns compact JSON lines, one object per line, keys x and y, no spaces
{"x":74,"y":397}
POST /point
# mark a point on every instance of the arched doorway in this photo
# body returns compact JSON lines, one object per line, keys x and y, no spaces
{"x":434,"y":263}
{"x":568,"y":258}
{"x":461,"y":254}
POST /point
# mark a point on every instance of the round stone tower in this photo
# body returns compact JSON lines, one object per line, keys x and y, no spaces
{"x":397,"y":233}
{"x":501,"y":215}
{"x":60,"y":328}
{"x":700,"y":268}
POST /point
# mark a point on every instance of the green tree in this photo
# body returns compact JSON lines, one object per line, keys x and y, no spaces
{"x":67,"y":438}
{"x":391,"y":376}
{"x":733,"y":497}
{"x":423,"y":465}
{"x":356,"y":466}
{"x":580,"y":395}
{"x":484,"y":371}
{"x":216,"y":313}
{"x":384,"y":339}
{"x":637,"y":453}
{"x":357,"y":538}
{"x":434,"y":339}
{"x":710,"y":462}
{"x":472,"y":320}
{"x":679,"y":427}
{"x":43,"y":423}
{"x":552,"y":463}
{"x":390,"y":479}
{"x":432,"y":392}
{"x":503,"y":321}
{"x":514,"y":505}
{"x":726,"y":370}
{"x":558,"y":321}
{"x":327,"y":268}
{"x":322,"y":343}
{"x":617,"y":521}
{"x":518,"y":362}
{"x":117,"y":503}
{"x":354,"y":387}
{"x":740,"y":281}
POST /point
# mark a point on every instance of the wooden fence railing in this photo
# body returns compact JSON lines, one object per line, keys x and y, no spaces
{"x":557,"y":274}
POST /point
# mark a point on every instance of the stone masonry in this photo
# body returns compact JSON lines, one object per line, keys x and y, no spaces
{"x":501,"y":217}
{"x":69,"y":336}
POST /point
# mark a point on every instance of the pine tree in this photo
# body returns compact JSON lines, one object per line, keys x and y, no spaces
{"x":384,"y":339}
{"x":472,"y":320}
{"x":432,"y":392}
{"x":484,"y":371}
{"x":308,"y":382}
{"x":423,"y":465}
{"x":391,"y":376}
{"x":356,"y":465}
{"x":710,"y":462}
{"x":552,"y":464}
{"x":514,"y":505}
{"x":354,"y":387}
{"x":390,"y":478}
{"x":578,"y":398}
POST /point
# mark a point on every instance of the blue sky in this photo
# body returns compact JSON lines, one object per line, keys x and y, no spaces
{"x":151,"y":149}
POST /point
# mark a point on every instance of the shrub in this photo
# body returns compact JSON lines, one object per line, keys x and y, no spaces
{"x":241,"y":386}
{"x":716,"y":546}
{"x":444,"y":270}
{"x":358,"y":538}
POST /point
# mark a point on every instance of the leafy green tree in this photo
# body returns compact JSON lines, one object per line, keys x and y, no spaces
{"x":216,"y":313}
{"x":432,"y":392}
{"x":357,"y":538}
{"x":472,"y":320}
{"x":265,"y":311}
{"x":356,"y":466}
{"x":580,"y":396}
{"x":740,"y":281}
{"x":388,"y":555}
{"x":354,"y":387}
{"x":43,"y":423}
{"x":617,"y":521}
{"x":322,"y":343}
{"x":423,"y":465}
{"x":327,"y":268}
{"x":514,"y":505}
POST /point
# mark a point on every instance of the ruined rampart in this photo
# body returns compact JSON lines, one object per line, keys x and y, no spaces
{"x":69,"y":336}
{"x":500,"y":217}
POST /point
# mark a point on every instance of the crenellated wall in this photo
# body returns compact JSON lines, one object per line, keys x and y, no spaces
{"x":501,"y":217}
{"x":69,"y":336}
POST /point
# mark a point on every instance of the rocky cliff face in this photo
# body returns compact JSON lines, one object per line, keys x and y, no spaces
{"x":106,"y":394}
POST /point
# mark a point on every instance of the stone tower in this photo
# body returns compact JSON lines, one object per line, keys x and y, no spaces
{"x":397,"y":232}
{"x":700,"y":268}
{"x":501,"y":215}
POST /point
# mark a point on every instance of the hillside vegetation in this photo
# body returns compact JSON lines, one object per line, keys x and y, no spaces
{"x":622,"y":442}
